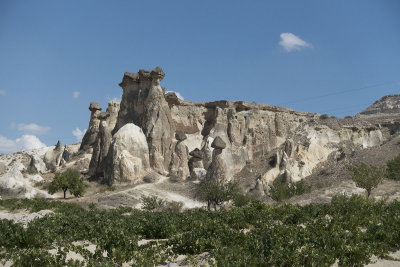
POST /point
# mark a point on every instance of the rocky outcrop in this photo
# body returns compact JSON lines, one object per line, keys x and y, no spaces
{"x":101,"y":147}
{"x":387,"y":105}
{"x":89,"y":138}
{"x":143,"y":103}
{"x":224,"y":137}
{"x":36,"y":165}
{"x":179,"y":169}
{"x":196,"y":166}
{"x":53,"y":158}
{"x":128,"y":156}
{"x":218,"y":170}
{"x":112,"y":110}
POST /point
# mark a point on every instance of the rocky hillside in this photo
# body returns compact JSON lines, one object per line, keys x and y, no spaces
{"x":171,"y":144}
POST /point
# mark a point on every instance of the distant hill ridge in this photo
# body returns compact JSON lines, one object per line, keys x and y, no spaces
{"x":389,"y":104}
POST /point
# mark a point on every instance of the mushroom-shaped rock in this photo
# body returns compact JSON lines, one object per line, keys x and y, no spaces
{"x":218,"y":143}
{"x":196,"y":153}
{"x":180,"y":136}
{"x":179,"y":168}
{"x":94,"y":106}
{"x":89,"y":138}
{"x":217,"y":170}
{"x":58,"y":145}
{"x":128,"y":157}
{"x":157,"y":73}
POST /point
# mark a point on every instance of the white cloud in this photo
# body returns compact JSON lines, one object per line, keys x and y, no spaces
{"x":116,"y":99}
{"x":78,"y":133}
{"x":2,"y":93}
{"x":177,"y":94}
{"x":76,"y":94}
{"x":25,"y":142}
{"x":33,"y":128}
{"x":291,"y":42}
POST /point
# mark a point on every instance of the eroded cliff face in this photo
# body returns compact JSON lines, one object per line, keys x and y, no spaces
{"x":292,"y":143}
{"x":143,"y":103}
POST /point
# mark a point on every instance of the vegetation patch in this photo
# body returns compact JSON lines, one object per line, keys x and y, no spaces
{"x":349,"y":230}
{"x":281,"y":190}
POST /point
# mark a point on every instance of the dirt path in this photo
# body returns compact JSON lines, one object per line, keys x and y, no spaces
{"x":154,"y":189}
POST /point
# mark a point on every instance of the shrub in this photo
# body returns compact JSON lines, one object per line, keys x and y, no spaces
{"x":281,"y":190}
{"x":393,"y":168}
{"x":151,"y":203}
{"x":367,"y":177}
{"x":173,"y":206}
{"x":240,"y":200}
{"x":324,"y":116}
{"x":69,"y":180}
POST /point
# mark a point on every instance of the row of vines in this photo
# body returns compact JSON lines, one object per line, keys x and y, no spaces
{"x":349,"y":231}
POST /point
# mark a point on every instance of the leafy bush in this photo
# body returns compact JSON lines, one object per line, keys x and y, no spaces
{"x":151,"y":203}
{"x":240,"y":200}
{"x":367,"y":177}
{"x":69,"y":180}
{"x":324,"y":117}
{"x":393,"y":168}
{"x":281,"y":190}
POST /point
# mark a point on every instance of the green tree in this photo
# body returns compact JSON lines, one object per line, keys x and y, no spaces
{"x":393,"y":168}
{"x":69,"y":180}
{"x":215,"y":193}
{"x":367,"y":177}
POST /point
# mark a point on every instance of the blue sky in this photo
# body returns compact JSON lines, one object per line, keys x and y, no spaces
{"x":334,"y":57}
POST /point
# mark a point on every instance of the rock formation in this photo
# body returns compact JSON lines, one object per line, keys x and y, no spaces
{"x":128,"y":156}
{"x":196,"y":166}
{"x":36,"y":165}
{"x":387,"y":105}
{"x":241,"y":134}
{"x":218,"y":170}
{"x":53,"y":158}
{"x":102,"y":144}
{"x":143,"y":103}
{"x":179,"y":169}
{"x":89,"y":138}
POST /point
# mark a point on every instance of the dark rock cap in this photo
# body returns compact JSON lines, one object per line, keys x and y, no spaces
{"x":180,"y":136}
{"x":94,"y":106}
{"x":196,"y":153}
{"x":104,"y":115}
{"x":58,"y":146}
{"x":218,"y":143}
{"x":144,"y":74}
{"x":157,"y":73}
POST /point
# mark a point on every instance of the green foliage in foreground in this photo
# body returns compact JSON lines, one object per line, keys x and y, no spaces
{"x":69,"y":180}
{"x":281,"y":190}
{"x":348,"y":230}
{"x":154,"y":203}
{"x":367,"y":177}
{"x":393,"y":168}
